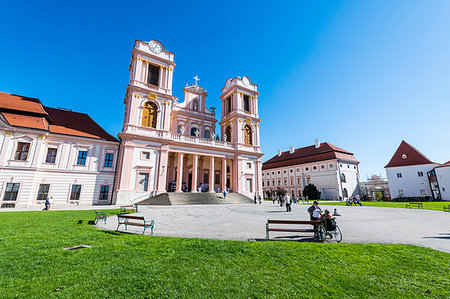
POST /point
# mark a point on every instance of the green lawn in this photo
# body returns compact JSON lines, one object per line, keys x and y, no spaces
{"x":34,"y":264}
{"x":434,"y":205}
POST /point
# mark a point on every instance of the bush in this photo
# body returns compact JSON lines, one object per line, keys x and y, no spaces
{"x":412,"y":199}
{"x":311,"y":192}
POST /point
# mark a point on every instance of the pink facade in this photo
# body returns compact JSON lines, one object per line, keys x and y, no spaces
{"x":172,"y":146}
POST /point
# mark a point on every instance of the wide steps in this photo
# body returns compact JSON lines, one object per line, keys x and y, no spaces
{"x":175,"y":198}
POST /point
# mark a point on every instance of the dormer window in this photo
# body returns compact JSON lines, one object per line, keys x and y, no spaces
{"x":153,"y":75}
{"x":195,"y":105}
{"x":246,"y":103}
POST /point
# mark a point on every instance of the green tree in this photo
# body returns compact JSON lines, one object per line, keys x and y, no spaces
{"x":280,"y":192}
{"x":311,"y":192}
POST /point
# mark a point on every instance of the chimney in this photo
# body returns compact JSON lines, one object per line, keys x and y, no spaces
{"x":279,"y":152}
{"x":317,"y":143}
{"x":291,"y":149}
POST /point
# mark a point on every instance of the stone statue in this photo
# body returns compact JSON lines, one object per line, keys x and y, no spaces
{"x":182,"y":130}
{"x":196,"y":133}
{"x":213,"y":135}
{"x":224,"y":137}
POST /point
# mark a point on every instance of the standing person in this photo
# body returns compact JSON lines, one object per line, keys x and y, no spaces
{"x":259,"y":198}
{"x":287,"y":201}
{"x":224,"y":194}
{"x":47,"y":205}
{"x":50,"y":202}
{"x":312,"y":209}
{"x":273,"y":199}
{"x":254,"y":199}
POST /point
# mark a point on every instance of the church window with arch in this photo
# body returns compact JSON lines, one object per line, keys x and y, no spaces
{"x":246,"y":103}
{"x":149,"y":115}
{"x":207,"y":134}
{"x":193,"y":131}
{"x":248,"y":140}
{"x":195,"y":105}
{"x":153,"y":75}
{"x":228,"y":133}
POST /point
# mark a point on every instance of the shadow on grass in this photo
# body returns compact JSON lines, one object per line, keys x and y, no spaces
{"x":287,"y":239}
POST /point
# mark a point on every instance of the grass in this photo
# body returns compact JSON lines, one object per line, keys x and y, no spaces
{"x":33,"y":264}
{"x":433,"y":205}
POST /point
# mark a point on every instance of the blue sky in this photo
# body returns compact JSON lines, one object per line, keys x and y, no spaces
{"x":362,"y":75}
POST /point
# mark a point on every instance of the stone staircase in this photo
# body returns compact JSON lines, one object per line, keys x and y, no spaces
{"x":168,"y":199}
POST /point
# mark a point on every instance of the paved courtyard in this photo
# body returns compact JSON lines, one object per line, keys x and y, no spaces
{"x":426,"y":228}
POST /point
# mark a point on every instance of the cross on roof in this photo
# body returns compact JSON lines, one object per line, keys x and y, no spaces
{"x":196,"y":79}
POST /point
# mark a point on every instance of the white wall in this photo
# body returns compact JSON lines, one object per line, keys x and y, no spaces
{"x":443,"y":176}
{"x":410,"y":182}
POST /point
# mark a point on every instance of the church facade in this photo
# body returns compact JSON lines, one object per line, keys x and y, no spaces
{"x":167,"y":145}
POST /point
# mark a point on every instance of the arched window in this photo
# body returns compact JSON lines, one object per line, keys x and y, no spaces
{"x":248,"y":135}
{"x":299,"y":193}
{"x":149,"y":115}
{"x":195,"y":105}
{"x":293,"y":193}
{"x":207,"y":135}
{"x":343,"y":180}
{"x":228,"y":133}
{"x":193,"y":130}
{"x":345,"y":193}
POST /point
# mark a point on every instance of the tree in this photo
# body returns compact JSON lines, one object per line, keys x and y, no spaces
{"x":280,"y":192}
{"x":311,"y":192}
{"x":268,"y":194}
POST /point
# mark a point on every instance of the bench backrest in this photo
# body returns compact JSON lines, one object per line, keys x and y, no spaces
{"x":130,"y":217}
{"x":272,"y":221}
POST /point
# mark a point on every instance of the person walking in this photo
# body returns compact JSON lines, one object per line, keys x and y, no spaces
{"x":259,"y":198}
{"x":287,"y":201}
{"x":47,"y":205}
{"x":224,"y":194}
{"x":255,"y":198}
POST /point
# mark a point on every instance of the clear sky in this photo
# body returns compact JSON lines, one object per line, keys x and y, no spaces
{"x":362,"y":75}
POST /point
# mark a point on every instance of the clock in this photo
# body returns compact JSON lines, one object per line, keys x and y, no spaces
{"x":155,"y":47}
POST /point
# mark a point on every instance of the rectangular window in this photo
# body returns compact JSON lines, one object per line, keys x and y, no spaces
{"x":228,"y":102}
{"x":249,"y":185}
{"x":75,"y":193}
{"x":299,"y":181}
{"x":273,"y":183}
{"x":292,"y":182}
{"x":400,"y":192}
{"x":263,"y":183}
{"x":109,"y":160}
{"x":82,"y":155}
{"x":145,"y":155}
{"x":143,"y":181}
{"x":217,"y":178}
{"x":104,"y":191}
{"x":331,"y":165}
{"x":399,"y":175}
{"x":246,"y":103}
{"x":322,"y":166}
{"x":12,"y":189}
{"x":249,"y":165}
{"x":153,"y":75}
{"x":206,"y":178}
{"x":51,"y":155}
{"x":423,"y":192}
{"x":285,"y":182}
{"x":43,"y":191}
{"x":420,"y":173}
{"x":22,"y":151}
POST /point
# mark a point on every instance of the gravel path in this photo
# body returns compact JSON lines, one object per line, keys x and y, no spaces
{"x":425,"y":228}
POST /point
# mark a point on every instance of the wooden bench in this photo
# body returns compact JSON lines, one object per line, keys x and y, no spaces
{"x":447,"y":208}
{"x":417,"y":204}
{"x":289,"y":229}
{"x":125,"y":219}
{"x":100,"y":216}
{"x":128,"y":209}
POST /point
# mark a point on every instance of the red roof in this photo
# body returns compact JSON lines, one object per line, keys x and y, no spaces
{"x":74,"y":123}
{"x":27,"y":112}
{"x":446,"y":164}
{"x":407,"y":155}
{"x":326,"y":151}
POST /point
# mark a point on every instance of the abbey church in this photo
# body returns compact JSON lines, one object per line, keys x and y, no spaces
{"x":166,"y":145}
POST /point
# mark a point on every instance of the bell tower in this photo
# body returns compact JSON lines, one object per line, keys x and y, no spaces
{"x":149,"y":93}
{"x":240,"y":120}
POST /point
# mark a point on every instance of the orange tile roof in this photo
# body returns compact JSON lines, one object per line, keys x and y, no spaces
{"x":27,"y":121}
{"x":19,"y":103}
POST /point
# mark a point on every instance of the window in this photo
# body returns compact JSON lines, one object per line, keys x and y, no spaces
{"x":195,"y":105}
{"x":246,"y":103}
{"x":248,"y":135}
{"x":206,"y":177}
{"x":12,"y":189}
{"x":343,"y":179}
{"x":292,"y":182}
{"x":345,"y":193}
{"x":43,"y":191}
{"x":308,"y":180}
{"x":149,"y":115}
{"x":51,"y":155}
{"x":207,"y":135}
{"x":228,"y":103}
{"x":292,"y":170}
{"x":273,"y":183}
{"x":273,"y":172}
{"x":109,"y":160}
{"x":285,"y":182}
{"x":104,"y":191}
{"x":423,"y":192}
{"x":143,"y":181}
{"x":279,"y":172}
{"x":75,"y":193}
{"x":401,"y":192}
{"x":341,"y":165}
{"x":298,"y":169}
{"x":82,"y":155}
{"x":145,"y":156}
{"x":179,"y":129}
{"x":331,"y":166}
{"x":314,"y":167}
{"x":249,"y":165}
{"x":348,"y":166}
{"x":322,"y":166}
{"x":193,"y":131}
{"x":228,"y":133}
{"x":217,"y":178}
{"x":399,"y":175}
{"x":263,"y":183}
{"x":420,"y":173}
{"x":153,"y":75}
{"x":22,"y":151}
{"x":306,"y":168}
{"x":279,"y":182}
{"x":284,"y":171}
{"x":299,"y":181}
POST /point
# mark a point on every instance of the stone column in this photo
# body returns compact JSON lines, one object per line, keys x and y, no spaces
{"x":162,"y":170}
{"x":194,"y":173}
{"x":224,"y":174}
{"x":179,"y":172}
{"x":211,"y":174}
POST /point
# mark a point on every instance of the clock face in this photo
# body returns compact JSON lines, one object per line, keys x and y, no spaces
{"x":156,"y":47}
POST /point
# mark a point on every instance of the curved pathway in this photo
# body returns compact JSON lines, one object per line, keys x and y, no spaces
{"x":426,"y":228}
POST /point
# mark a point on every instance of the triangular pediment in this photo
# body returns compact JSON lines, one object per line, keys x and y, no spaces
{"x":407,"y":155}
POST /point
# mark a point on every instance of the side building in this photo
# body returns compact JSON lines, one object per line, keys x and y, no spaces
{"x":332,"y":170}
{"x":47,"y":152}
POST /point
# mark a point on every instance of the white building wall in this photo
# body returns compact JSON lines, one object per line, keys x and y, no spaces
{"x":443,"y":176}
{"x":410,"y":182}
